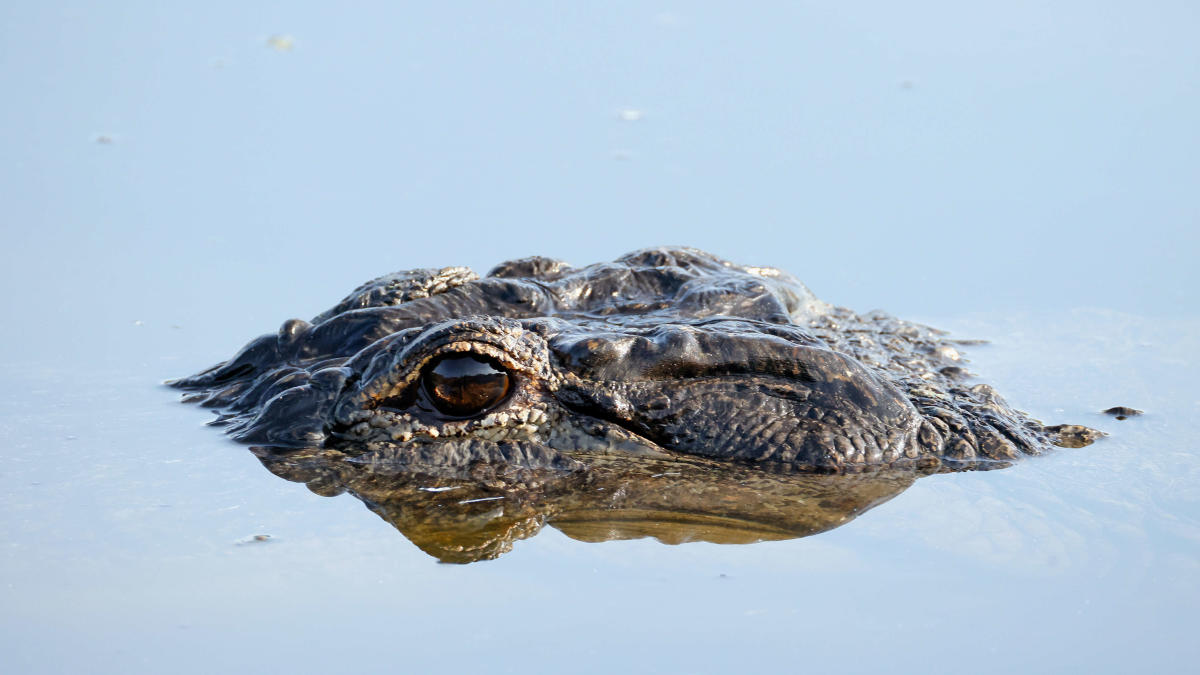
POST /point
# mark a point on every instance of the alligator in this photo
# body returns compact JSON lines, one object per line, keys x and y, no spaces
{"x":571,"y":391}
{"x":664,"y":352}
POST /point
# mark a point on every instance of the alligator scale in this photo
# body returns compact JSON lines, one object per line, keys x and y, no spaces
{"x":664,"y":355}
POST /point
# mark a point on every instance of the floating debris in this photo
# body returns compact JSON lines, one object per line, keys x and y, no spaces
{"x":1121,"y":412}
{"x":281,"y":43}
{"x":256,"y":539}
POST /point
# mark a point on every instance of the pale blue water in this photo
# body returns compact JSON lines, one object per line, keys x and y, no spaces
{"x":1026,"y":174}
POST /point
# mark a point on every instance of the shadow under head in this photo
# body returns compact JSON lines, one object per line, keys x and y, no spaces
{"x":663,"y":353}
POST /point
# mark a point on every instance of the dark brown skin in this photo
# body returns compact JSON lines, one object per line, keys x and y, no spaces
{"x":665,"y":355}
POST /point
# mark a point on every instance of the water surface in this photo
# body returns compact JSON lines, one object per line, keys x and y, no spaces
{"x":176,"y":182}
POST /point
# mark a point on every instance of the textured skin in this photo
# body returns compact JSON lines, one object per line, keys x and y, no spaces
{"x":662,"y":353}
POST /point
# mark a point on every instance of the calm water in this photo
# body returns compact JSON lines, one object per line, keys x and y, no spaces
{"x":178,"y":181}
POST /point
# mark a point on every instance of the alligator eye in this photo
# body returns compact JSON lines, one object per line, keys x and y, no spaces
{"x":463,"y":386}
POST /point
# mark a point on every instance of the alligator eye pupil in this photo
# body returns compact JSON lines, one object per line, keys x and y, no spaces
{"x":467,"y":385}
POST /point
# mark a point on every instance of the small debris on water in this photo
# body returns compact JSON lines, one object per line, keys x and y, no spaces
{"x":1122,"y":412}
{"x":103,"y":139}
{"x":281,"y":43}
{"x":255,"y":539}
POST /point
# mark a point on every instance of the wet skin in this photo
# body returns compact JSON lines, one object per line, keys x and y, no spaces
{"x":664,"y":355}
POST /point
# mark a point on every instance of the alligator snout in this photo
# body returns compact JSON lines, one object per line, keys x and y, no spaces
{"x":661,"y":351}
{"x":742,"y":390}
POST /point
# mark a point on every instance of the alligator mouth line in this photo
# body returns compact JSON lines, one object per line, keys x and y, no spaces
{"x":665,"y":444}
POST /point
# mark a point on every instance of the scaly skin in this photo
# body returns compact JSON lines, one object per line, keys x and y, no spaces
{"x":664,"y":353}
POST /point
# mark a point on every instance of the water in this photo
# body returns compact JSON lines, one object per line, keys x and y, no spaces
{"x":1024,"y":175}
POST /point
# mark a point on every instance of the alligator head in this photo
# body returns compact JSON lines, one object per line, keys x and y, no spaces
{"x":662,"y":353}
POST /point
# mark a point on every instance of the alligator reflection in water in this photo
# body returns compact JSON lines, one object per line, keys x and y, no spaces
{"x":469,"y":512}
{"x":669,"y":394}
